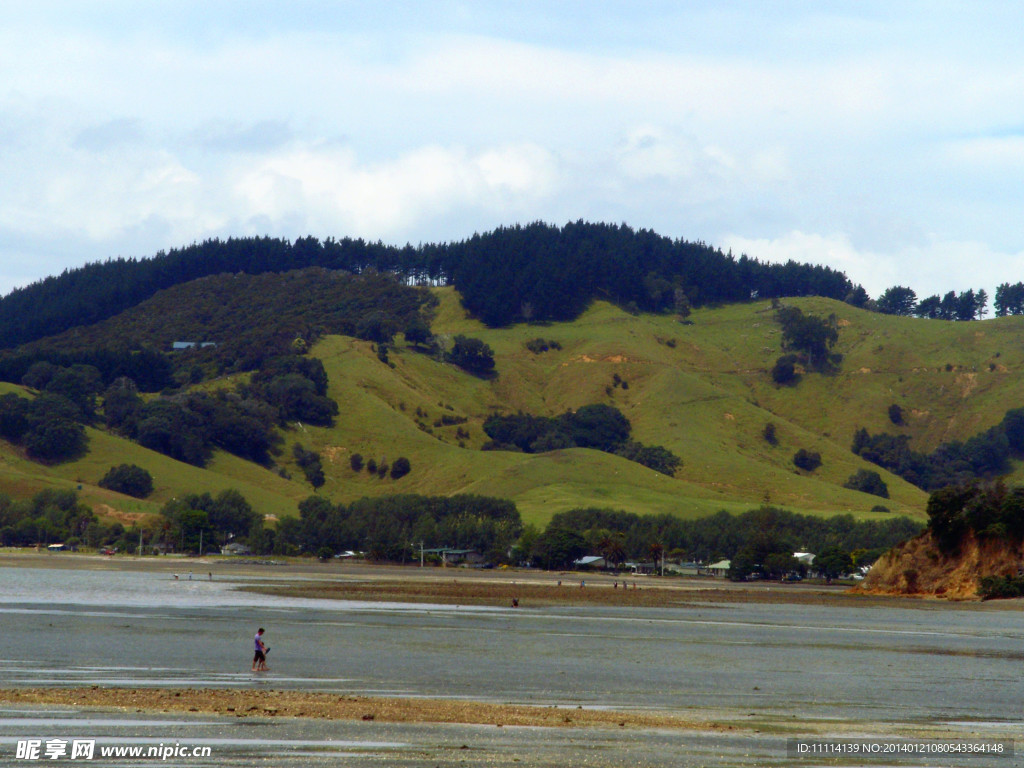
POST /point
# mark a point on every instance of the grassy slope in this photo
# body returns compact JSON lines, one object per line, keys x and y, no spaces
{"x":707,"y":398}
{"x":702,"y":390}
{"x":22,"y":477}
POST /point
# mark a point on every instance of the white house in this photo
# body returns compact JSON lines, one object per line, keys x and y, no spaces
{"x":720,"y":568}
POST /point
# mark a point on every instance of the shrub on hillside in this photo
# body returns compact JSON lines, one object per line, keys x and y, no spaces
{"x":539,"y":345}
{"x":472,"y":355}
{"x":867,"y":481}
{"x":377,"y":326}
{"x":784,"y":370}
{"x":602,"y":427}
{"x":417,"y":332}
{"x":400,"y":468}
{"x":54,"y":434}
{"x":807,"y":460}
{"x":309,"y":462}
{"x":128,"y":479}
{"x":655,"y":457}
{"x":810,"y":337}
{"x":896,"y":414}
{"x":47,"y":427}
{"x":993,"y":587}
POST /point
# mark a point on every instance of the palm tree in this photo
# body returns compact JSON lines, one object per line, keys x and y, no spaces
{"x":613,"y":549}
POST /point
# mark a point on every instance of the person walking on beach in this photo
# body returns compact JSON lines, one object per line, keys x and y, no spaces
{"x":259,"y":659}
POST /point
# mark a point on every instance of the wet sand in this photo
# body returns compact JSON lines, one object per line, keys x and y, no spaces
{"x":290,"y":703}
{"x":307,"y":578}
{"x":650,"y":593}
{"x":283,"y":704}
{"x":715,"y":674}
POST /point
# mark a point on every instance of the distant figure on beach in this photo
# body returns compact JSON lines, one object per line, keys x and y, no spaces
{"x":259,"y":659}
{"x":515,"y":602}
{"x":175,"y":577}
{"x":210,"y":574}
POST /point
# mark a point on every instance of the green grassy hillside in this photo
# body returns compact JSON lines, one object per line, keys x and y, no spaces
{"x":702,"y":390}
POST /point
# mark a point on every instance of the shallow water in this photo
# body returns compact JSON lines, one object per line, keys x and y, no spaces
{"x":851,"y":663}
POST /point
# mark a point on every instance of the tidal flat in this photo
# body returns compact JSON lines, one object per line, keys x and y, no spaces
{"x":694,"y":674}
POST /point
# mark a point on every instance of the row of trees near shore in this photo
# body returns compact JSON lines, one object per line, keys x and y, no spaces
{"x":394,"y":528}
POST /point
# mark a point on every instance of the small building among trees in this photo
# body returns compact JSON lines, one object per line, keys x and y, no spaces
{"x":719,"y":569}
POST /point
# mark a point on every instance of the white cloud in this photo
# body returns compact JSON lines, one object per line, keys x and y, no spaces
{"x":331,"y":189}
{"x":649,"y":152}
{"x":871,"y":269}
{"x":988,"y":153}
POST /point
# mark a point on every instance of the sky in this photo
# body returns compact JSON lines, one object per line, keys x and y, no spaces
{"x":882,"y":139}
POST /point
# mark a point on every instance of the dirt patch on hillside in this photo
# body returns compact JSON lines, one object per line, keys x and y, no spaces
{"x":333,"y":453}
{"x":919,"y":568}
{"x":604,"y":359}
{"x":110,"y":514}
{"x":967,"y":382}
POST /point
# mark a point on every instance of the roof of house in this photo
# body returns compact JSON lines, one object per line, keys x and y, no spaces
{"x":191,"y":344}
{"x":448,"y":551}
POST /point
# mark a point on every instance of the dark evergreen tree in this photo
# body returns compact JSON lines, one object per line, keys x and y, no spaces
{"x":858,"y":297}
{"x":897,"y":300}
{"x":1009,"y":299}
{"x":930,"y":308}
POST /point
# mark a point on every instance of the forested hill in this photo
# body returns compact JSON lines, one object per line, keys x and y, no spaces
{"x":533,"y":272}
